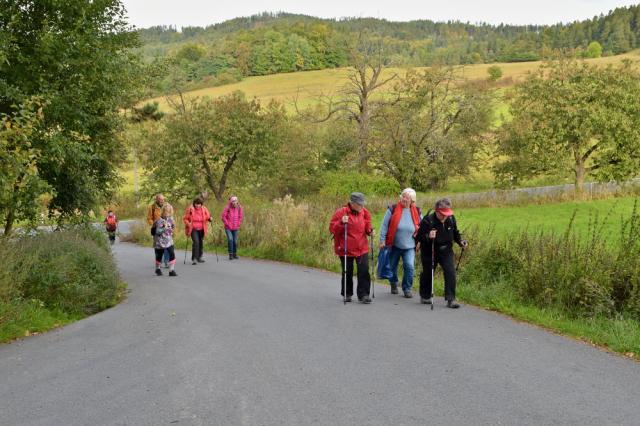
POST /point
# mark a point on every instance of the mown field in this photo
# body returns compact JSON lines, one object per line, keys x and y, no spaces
{"x":606,"y":216}
{"x":307,"y":86}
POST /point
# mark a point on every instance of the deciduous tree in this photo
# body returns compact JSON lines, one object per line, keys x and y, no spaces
{"x":573,"y":117}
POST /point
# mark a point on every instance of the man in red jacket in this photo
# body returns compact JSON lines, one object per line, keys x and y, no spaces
{"x":358,"y":222}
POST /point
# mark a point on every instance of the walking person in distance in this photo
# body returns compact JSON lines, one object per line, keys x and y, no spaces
{"x":153,"y":214}
{"x":196,"y":220}
{"x":163,"y":239}
{"x":232,"y":216}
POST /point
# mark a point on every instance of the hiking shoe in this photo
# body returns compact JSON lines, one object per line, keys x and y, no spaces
{"x":193,"y":262}
{"x":230,"y":257}
{"x":365,"y":299}
{"x":201,"y":260}
{"x":426,"y":301}
{"x":408,"y":294}
{"x":452,"y":304}
{"x":394,"y":288}
{"x":347,"y":299}
{"x":235,"y":256}
{"x":173,"y":274}
{"x":158,"y":272}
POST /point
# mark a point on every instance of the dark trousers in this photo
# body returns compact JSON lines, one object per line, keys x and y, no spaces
{"x":446,"y":259}
{"x":197,"y":237}
{"x":232,"y":240}
{"x":161,"y":252}
{"x":364,"y":279}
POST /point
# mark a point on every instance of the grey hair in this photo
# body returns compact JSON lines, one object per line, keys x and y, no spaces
{"x":443,"y":203}
{"x":411,"y":192}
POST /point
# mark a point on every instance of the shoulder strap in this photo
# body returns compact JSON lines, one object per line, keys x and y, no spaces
{"x":428,"y":216}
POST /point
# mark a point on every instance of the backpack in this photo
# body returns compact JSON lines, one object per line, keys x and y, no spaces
{"x":111,"y":223}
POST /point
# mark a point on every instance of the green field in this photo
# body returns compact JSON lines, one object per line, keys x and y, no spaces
{"x":609,"y":214}
{"x":307,"y":86}
{"x":554,"y":217}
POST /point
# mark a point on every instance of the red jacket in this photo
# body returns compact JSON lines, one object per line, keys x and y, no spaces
{"x":359,"y":226}
{"x":186,"y":219}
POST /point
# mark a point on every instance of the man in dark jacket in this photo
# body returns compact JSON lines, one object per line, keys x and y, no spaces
{"x":438,"y":231}
{"x":358,"y":222}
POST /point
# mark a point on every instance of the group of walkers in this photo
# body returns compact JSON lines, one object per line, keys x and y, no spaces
{"x":404,"y":230}
{"x":196,"y":221}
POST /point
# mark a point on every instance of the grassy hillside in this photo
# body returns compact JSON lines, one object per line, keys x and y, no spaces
{"x":307,"y":86}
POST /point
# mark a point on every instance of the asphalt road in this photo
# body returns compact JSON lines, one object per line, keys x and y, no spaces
{"x":250,"y":343}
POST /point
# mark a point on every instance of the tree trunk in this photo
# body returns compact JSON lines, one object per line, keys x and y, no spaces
{"x":8,"y":226}
{"x":579,"y":171}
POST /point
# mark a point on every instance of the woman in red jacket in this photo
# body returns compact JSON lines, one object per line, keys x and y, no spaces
{"x":358,"y":222}
{"x":195,"y":220}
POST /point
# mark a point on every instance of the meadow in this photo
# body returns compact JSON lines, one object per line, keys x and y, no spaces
{"x":308,"y":85}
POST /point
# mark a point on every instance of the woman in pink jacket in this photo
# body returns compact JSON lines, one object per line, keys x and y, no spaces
{"x":232,"y":216}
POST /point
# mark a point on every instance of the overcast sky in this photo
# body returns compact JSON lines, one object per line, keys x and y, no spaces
{"x":145,"y":13}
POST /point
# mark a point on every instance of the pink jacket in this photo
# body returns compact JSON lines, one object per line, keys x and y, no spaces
{"x":232,"y":217}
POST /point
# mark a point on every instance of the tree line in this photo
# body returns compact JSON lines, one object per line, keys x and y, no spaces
{"x":275,"y":43}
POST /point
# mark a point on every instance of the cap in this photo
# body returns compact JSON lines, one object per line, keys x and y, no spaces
{"x":358,"y":198}
{"x":445,"y":211}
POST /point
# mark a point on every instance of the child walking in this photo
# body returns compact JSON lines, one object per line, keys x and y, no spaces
{"x":163,"y":239}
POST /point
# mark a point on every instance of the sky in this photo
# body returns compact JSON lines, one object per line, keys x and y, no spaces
{"x":146,"y":13}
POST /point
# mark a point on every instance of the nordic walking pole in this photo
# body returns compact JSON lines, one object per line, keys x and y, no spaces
{"x":344,"y":272}
{"x":215,"y":248}
{"x":373,"y":271}
{"x":460,"y":258}
{"x":186,"y":247}
{"x":433,"y":267}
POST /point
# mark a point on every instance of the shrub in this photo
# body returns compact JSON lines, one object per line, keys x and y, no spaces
{"x":343,"y":183}
{"x":583,"y":278}
{"x":71,"y":271}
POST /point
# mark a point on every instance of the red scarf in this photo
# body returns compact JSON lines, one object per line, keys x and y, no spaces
{"x":395,"y":221}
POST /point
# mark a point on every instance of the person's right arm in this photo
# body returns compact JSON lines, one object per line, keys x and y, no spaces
{"x":186,"y":218}
{"x":150,"y":215}
{"x":423,"y":231}
{"x":336,"y":225}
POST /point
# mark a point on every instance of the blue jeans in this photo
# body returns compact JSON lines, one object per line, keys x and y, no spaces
{"x":408,"y":260}
{"x":232,"y":240}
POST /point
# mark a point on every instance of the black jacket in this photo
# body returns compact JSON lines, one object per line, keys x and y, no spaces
{"x":446,"y":234}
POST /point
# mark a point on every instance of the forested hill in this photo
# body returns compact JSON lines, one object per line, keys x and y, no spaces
{"x":274,"y":43}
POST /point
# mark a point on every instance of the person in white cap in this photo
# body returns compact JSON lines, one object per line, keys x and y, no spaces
{"x":438,"y":231}
{"x":399,"y":227}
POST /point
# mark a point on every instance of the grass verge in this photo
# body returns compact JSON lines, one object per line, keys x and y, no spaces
{"x":52,"y":279}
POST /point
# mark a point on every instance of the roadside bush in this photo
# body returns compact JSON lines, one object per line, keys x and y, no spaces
{"x":71,"y":271}
{"x":343,"y":183}
{"x":584,"y":278}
